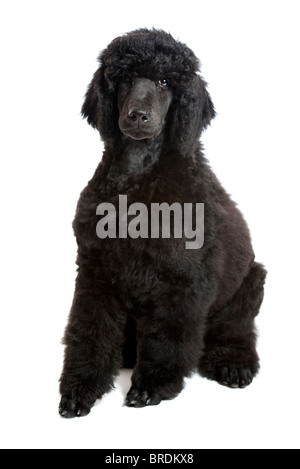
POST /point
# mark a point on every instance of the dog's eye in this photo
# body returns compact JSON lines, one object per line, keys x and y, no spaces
{"x":127,"y":79}
{"x":163,"y":83}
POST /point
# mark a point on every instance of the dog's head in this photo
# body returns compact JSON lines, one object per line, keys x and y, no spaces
{"x":147,"y":81}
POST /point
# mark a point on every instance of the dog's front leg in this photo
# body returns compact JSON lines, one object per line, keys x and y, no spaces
{"x":167,"y":352}
{"x":93,"y":340}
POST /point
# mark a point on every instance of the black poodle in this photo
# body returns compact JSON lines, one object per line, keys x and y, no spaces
{"x":144,"y":301}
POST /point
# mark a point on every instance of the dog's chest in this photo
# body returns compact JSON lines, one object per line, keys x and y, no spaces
{"x":134,"y":220}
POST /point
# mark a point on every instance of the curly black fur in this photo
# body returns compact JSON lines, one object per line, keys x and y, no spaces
{"x":149,"y":303}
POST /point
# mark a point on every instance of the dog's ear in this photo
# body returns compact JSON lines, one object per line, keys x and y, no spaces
{"x":207,"y":107}
{"x":100,"y":107}
{"x":192,"y":112}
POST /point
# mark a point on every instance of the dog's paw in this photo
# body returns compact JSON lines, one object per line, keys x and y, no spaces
{"x":234,"y":376}
{"x":73,"y":407}
{"x":142,"y":398}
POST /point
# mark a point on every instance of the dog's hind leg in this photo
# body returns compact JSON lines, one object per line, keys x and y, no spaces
{"x":229,"y":356}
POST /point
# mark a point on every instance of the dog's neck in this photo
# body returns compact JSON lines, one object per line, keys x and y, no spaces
{"x":135,"y":156}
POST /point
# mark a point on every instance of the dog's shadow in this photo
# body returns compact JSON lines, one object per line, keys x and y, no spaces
{"x":123,"y":380}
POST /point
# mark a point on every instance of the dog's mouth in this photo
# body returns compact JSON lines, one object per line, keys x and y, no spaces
{"x":138,"y":134}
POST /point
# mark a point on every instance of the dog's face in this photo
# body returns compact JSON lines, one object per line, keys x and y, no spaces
{"x":147,"y":81}
{"x":143,"y":105}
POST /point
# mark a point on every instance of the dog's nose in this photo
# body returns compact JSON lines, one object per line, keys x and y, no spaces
{"x":138,"y":116}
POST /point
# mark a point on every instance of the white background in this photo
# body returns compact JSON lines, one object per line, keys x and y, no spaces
{"x":250,"y":57}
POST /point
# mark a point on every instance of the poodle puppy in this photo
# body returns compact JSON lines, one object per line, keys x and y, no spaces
{"x":149,"y":302}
